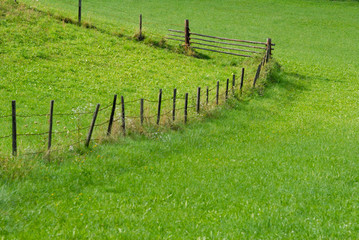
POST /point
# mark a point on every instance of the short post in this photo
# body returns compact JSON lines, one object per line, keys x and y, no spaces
{"x":257,"y":75}
{"x":174,"y":104}
{"x":140,"y":37}
{"x":141,"y":110}
{"x":123,"y":116}
{"x":110,"y":123}
{"x":14,"y":135}
{"x":187,"y":35}
{"x":198,"y":99}
{"x":50,"y":125}
{"x":233,"y":83}
{"x":185,"y":107}
{"x":227,"y":85}
{"x":92,"y":126}
{"x":79,"y":17}
{"x":159,"y":107}
{"x":269,"y":49}
{"x":242,"y":80}
{"x":217,"y":93}
{"x":207,"y":95}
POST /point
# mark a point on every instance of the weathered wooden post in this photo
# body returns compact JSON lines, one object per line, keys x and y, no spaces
{"x":92,"y":126}
{"x":174,"y":104}
{"x":14,"y":143}
{"x":257,"y":74}
{"x":50,"y":126}
{"x":198,"y":99}
{"x":79,"y":16}
{"x":217,"y":93}
{"x":109,"y":129}
{"x":227,"y":85}
{"x":242,"y":80}
{"x":141,"y":110}
{"x":207,"y":95}
{"x":187,"y":35}
{"x":159,"y":107}
{"x":185,"y":108}
{"x":140,"y":37}
{"x":269,"y":49}
{"x":233,"y":83}
{"x":123,"y":116}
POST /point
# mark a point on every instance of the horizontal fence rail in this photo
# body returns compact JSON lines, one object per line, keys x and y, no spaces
{"x":212,"y":43}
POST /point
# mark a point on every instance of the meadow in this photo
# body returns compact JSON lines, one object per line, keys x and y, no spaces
{"x":279,"y":164}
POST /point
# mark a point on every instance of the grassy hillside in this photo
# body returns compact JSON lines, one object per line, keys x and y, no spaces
{"x":45,"y":59}
{"x":280,"y":166}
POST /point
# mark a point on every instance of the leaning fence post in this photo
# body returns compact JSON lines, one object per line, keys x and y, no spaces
{"x":257,"y":75}
{"x":227,"y":85}
{"x":159,"y":107}
{"x":242,"y":80}
{"x":217,"y":93}
{"x":269,"y":48}
{"x":92,"y":126}
{"x":79,"y":16}
{"x":50,"y":125}
{"x":109,"y":129}
{"x":14,"y":143}
{"x":174,"y":104}
{"x":198,"y":99}
{"x":141,"y":110}
{"x":187,"y":35}
{"x":207,"y":95}
{"x":123,"y":117}
{"x":185,"y":107}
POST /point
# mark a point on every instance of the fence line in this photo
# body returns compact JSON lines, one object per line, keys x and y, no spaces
{"x":174,"y":112}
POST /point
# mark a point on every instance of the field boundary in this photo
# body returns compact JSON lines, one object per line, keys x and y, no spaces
{"x":202,"y":100}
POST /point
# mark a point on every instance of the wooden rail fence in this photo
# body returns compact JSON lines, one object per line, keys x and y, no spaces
{"x":219,"y":44}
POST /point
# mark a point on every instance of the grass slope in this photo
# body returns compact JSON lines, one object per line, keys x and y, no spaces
{"x":283,"y":165}
{"x":45,"y":59}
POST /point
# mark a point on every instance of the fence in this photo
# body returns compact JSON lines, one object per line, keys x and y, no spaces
{"x":155,"y":118}
{"x":214,"y":45}
{"x":209,"y":99}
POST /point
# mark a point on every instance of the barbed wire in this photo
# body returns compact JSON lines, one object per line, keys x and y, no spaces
{"x":5,"y":136}
{"x":32,"y":134}
{"x":5,"y":116}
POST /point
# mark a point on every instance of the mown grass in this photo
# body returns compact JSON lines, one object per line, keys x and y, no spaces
{"x":280,"y":165}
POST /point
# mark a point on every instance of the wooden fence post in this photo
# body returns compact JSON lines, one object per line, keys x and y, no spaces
{"x":269,"y":49}
{"x":50,"y":126}
{"x":242,"y":80}
{"x":217,"y":93}
{"x":257,"y":74}
{"x":79,"y":16}
{"x":187,"y":35}
{"x":140,"y":37}
{"x":174,"y":104}
{"x":207,"y":95}
{"x":14,"y":135}
{"x":141,"y":110}
{"x":227,"y":85}
{"x":233,"y":83}
{"x":159,"y":107}
{"x":123,"y":116}
{"x":109,"y":129}
{"x":185,"y":108}
{"x":92,"y":126}
{"x":198,"y":99}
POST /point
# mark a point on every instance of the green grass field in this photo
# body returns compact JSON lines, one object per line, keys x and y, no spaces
{"x":281,"y":164}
